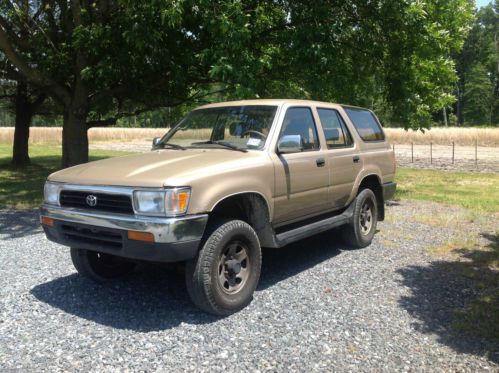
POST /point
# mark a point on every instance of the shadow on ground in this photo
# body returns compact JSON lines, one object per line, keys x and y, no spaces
{"x":155,"y":298}
{"x":19,"y":223}
{"x":457,"y":300}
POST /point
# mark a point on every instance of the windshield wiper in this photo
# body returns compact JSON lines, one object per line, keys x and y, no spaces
{"x":173,"y":146}
{"x":221,"y":143}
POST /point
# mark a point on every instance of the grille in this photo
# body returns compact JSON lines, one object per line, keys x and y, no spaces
{"x":105,"y":202}
{"x":102,"y":238}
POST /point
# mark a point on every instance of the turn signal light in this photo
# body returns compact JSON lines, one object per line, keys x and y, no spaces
{"x":47,"y":221}
{"x":183,"y":197}
{"x":140,"y":236}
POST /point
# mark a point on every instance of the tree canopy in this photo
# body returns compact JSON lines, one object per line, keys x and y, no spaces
{"x":478,"y":70}
{"x":109,"y":59}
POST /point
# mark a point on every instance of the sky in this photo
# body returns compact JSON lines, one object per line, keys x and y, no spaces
{"x":480,"y":3}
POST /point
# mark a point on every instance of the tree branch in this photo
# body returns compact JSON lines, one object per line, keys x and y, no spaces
{"x":32,"y":75}
{"x":2,"y":97}
{"x":38,"y":101}
{"x":112,"y":121}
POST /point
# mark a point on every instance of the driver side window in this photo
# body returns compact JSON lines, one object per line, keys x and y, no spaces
{"x":299,"y":121}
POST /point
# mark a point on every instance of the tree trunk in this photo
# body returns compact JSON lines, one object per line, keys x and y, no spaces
{"x":24,"y":115}
{"x":74,"y":135}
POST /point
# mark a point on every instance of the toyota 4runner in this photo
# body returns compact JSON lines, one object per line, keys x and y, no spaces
{"x":227,"y":180}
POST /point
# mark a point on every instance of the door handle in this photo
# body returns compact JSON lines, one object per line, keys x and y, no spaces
{"x":356,"y":159}
{"x":321,"y":162}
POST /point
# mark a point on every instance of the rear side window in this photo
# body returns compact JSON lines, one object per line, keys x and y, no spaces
{"x":366,"y":124}
{"x":334,"y":128}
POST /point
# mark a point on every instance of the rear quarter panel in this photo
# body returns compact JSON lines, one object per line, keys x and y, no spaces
{"x":376,"y":157}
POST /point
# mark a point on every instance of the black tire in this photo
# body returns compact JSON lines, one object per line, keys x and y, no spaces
{"x":211,"y":278}
{"x":100,"y":267}
{"x":359,"y":232}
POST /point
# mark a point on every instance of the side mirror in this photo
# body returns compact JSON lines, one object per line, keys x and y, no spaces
{"x":156,"y":141}
{"x":289,"y":144}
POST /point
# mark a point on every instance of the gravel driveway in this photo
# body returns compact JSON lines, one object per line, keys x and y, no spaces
{"x":319,"y":307}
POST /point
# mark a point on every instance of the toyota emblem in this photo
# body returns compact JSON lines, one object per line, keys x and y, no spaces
{"x":91,"y":200}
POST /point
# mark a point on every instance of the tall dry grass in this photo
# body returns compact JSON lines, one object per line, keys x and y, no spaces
{"x":445,"y":136}
{"x":53,"y":135}
{"x":442,"y":136}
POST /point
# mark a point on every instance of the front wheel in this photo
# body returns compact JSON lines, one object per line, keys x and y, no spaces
{"x":360,"y":231}
{"x":100,"y":267}
{"x":223,"y":276}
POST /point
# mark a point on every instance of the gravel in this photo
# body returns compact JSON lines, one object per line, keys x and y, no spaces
{"x":319,"y":307}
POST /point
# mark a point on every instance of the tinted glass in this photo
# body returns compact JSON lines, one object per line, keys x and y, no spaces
{"x":365,"y":124}
{"x":299,"y":121}
{"x":335,"y":130}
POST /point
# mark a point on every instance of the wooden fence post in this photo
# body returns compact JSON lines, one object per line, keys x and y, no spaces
{"x":453,"y":152}
{"x":431,"y":153}
{"x":412,"y":152}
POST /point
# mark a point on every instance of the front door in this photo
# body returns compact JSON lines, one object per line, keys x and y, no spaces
{"x":301,"y":178}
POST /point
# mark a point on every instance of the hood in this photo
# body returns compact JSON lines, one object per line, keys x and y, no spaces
{"x":157,"y":168}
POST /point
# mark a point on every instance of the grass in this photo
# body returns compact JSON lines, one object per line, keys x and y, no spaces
{"x":24,"y":188}
{"x":438,"y":136}
{"x":474,"y":191}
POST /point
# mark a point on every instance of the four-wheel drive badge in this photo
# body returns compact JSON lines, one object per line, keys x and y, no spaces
{"x":91,"y":200}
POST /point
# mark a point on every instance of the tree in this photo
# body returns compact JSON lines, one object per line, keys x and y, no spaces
{"x":26,"y":102}
{"x":392,"y":56}
{"x":104,"y":60}
{"x":95,"y":58}
{"x":479,"y":96}
{"x":478,"y":70}
{"x":23,"y":100}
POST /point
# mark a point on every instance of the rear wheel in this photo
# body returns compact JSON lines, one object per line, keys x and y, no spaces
{"x":360,"y":231}
{"x":100,"y":267}
{"x":222,"y":278}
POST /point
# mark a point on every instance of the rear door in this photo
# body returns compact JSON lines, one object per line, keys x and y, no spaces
{"x":342,"y":155}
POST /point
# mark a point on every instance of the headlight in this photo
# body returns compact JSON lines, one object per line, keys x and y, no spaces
{"x":51,"y":193}
{"x":169,"y":202}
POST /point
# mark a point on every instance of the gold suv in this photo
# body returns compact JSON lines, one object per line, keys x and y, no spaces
{"x":227,"y":180}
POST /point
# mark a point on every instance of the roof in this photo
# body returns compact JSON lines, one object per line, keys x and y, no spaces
{"x":276,"y":102}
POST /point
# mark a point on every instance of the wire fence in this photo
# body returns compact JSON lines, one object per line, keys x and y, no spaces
{"x":453,"y":156}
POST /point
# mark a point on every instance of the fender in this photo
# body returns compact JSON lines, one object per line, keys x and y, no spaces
{"x":369,"y":170}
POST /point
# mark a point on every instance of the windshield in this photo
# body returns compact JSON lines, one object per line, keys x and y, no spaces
{"x":230,"y":127}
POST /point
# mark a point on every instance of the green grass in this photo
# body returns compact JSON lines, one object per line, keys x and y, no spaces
{"x":24,"y":188}
{"x":474,"y":191}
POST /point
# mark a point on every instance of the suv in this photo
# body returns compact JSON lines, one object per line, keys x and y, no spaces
{"x":225,"y":181}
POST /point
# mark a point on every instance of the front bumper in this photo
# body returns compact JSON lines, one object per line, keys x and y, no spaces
{"x":175,"y":239}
